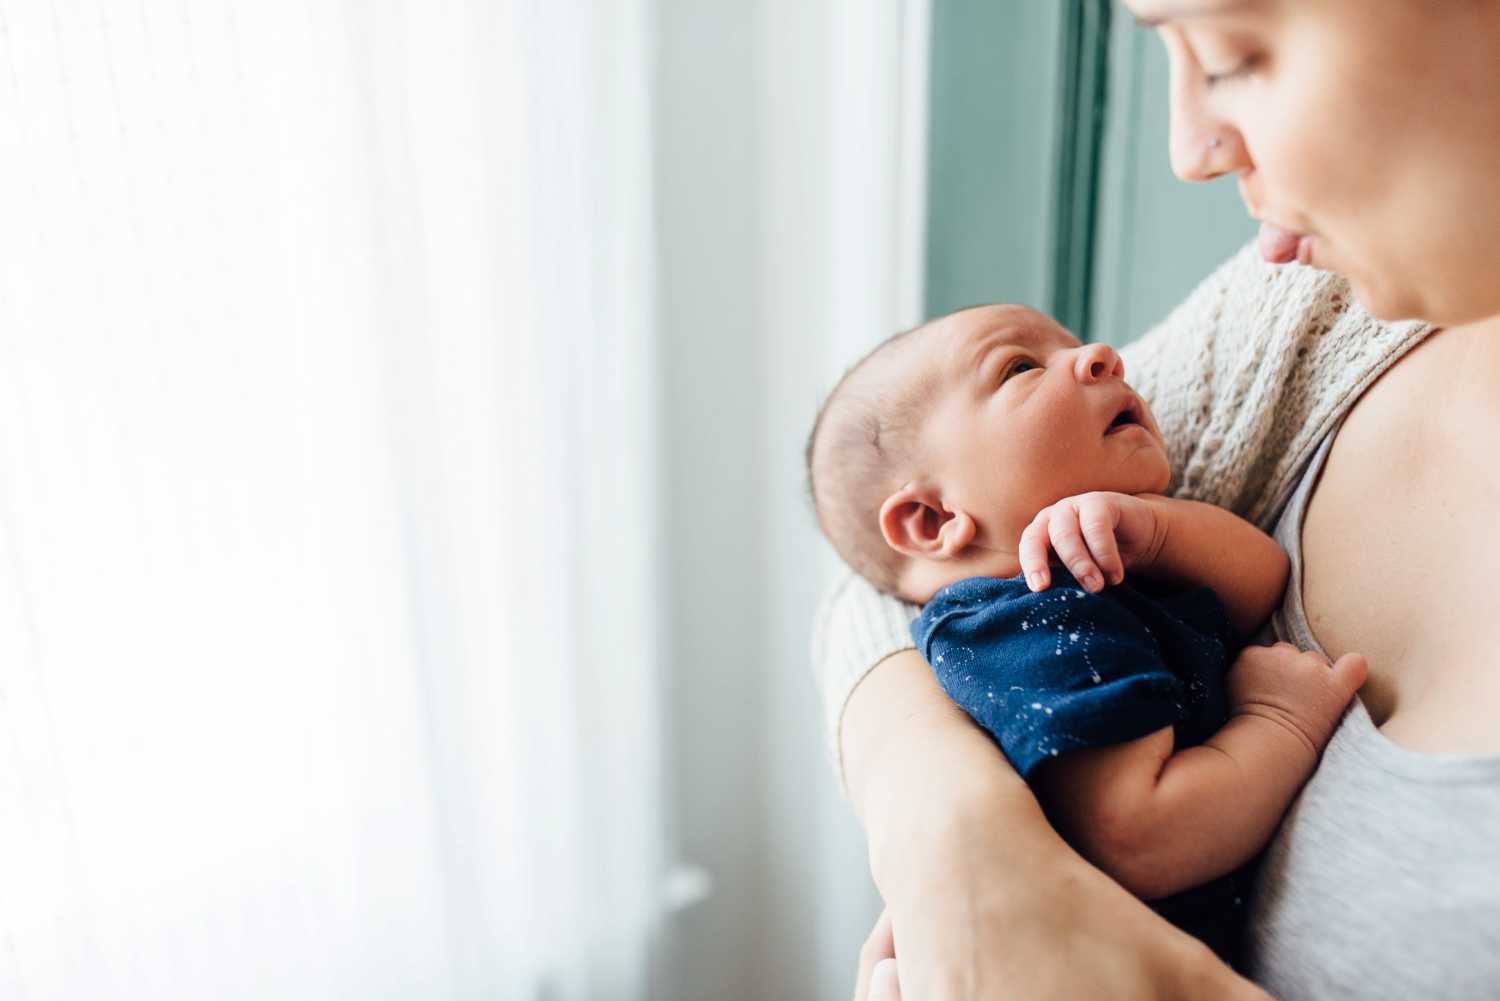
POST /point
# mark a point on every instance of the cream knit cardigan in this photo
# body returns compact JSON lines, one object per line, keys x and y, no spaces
{"x":1245,"y":378}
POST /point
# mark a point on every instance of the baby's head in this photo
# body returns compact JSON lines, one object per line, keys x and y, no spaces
{"x":935,"y":451}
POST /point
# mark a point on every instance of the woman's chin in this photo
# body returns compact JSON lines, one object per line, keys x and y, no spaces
{"x":1386,"y":301}
{"x":1383,"y":303}
{"x":1396,"y":306}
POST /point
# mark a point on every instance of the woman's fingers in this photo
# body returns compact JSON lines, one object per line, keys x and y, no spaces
{"x":1033,"y":553}
{"x":883,"y":983}
{"x":879,"y":947}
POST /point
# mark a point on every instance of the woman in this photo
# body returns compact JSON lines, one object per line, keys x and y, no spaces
{"x":1366,"y":138}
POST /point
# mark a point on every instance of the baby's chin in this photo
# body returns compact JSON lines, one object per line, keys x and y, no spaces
{"x":928,"y":577}
{"x":1147,"y":476}
{"x":1152,"y":470}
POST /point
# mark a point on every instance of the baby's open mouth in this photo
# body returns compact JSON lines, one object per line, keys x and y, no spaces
{"x":1124,"y":419}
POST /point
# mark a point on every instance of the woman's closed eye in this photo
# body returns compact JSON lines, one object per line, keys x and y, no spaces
{"x":1239,"y":72}
{"x":1237,"y":52}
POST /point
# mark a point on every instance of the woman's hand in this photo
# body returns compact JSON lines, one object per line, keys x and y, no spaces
{"x":985,"y":900}
{"x":1090,"y":940}
{"x":884,"y":984}
{"x":1157,"y":967}
{"x":1097,"y":536}
{"x":877,"y":964}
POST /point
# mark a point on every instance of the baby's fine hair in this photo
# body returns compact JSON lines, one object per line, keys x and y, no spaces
{"x":863,"y":447}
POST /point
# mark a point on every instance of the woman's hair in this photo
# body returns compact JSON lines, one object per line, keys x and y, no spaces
{"x":863,"y":447}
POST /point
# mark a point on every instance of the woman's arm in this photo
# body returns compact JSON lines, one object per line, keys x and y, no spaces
{"x":986,"y":902}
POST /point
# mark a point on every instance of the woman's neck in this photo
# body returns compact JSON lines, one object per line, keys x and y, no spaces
{"x":1488,"y":326}
{"x":1477,"y":353}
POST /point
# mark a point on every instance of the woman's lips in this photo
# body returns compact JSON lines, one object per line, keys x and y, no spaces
{"x":1278,"y":246}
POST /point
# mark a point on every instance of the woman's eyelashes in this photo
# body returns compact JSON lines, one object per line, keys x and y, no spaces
{"x":1212,"y":80}
{"x":1239,"y":72}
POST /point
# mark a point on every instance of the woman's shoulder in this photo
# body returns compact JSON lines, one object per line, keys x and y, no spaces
{"x":1252,"y":371}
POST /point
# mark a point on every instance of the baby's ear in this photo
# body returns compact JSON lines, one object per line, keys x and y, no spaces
{"x":916,"y":523}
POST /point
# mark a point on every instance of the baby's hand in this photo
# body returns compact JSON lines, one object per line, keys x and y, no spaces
{"x":1297,"y":689}
{"x":1096,"y":536}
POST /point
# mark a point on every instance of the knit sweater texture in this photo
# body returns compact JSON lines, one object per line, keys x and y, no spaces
{"x":1245,"y":378}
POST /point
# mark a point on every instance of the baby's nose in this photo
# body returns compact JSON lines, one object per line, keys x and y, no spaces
{"x":1097,"y":362}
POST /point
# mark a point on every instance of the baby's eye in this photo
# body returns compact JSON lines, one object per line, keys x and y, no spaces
{"x":1017,"y":367}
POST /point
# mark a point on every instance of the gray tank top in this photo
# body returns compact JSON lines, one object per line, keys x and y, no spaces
{"x":1384,"y":879}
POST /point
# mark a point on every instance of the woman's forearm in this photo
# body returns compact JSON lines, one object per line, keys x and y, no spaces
{"x":922,"y":775}
{"x":986,"y":901}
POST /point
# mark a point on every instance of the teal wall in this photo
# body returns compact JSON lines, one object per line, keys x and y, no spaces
{"x":1156,"y":236}
{"x":990,"y":173}
{"x":996,"y":78}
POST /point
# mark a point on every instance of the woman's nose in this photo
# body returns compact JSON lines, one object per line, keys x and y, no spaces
{"x":1203,"y":145}
{"x":1201,"y":152}
{"x":1096,"y":363}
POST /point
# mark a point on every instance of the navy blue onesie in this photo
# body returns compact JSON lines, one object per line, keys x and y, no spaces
{"x":1053,"y":671}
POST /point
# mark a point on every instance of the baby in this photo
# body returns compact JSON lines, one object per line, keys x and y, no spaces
{"x":951,"y":467}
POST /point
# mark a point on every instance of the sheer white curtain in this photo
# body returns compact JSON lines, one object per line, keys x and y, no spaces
{"x":793,"y":140}
{"x":328,"y":651}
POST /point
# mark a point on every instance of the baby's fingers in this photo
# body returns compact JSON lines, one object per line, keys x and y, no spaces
{"x":1099,"y":532}
{"x":1349,"y":673}
{"x":1033,"y":553}
{"x":1067,"y":540}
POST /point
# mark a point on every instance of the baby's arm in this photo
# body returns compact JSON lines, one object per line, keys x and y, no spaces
{"x":1215,"y":548}
{"x":1160,"y":822}
{"x":1098,"y":536}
